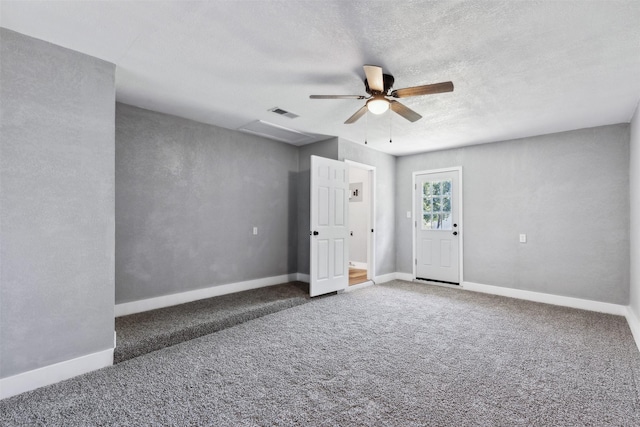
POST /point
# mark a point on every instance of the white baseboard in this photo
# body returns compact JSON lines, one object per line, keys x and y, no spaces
{"x":356,"y":264}
{"x":404,"y":276}
{"x":385,"y":278}
{"x":301,"y":277}
{"x":140,"y":306}
{"x":634,"y":325}
{"x":583,"y":304}
{"x":57,"y":372}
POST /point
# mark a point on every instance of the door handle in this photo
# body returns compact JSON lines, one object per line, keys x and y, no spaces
{"x":455,"y":233}
{"x":315,"y":233}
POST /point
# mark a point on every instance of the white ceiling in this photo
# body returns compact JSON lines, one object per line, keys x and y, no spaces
{"x":520,"y":68}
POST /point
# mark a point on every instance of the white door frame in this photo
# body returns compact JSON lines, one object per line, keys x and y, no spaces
{"x":371,"y":220}
{"x":417,"y":214}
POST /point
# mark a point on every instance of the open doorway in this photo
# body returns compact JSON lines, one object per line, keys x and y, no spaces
{"x":361,"y":222}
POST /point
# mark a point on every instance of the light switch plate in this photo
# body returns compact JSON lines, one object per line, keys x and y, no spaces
{"x":255,"y":231}
{"x":408,"y":214}
{"x":523,"y":238}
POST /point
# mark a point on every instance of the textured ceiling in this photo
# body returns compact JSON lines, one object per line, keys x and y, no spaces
{"x":520,"y":68}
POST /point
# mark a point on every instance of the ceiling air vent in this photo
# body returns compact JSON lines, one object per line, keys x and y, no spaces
{"x":279,"y":133}
{"x":282,"y":112}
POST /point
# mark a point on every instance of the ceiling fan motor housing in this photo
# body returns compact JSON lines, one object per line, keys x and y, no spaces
{"x":387,"y":80}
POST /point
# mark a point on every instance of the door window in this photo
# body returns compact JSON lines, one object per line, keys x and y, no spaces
{"x":436,"y":205}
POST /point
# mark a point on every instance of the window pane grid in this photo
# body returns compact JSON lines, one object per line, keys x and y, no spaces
{"x":436,"y":205}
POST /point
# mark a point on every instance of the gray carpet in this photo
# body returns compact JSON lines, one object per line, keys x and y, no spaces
{"x":394,"y":354}
{"x":143,"y":333}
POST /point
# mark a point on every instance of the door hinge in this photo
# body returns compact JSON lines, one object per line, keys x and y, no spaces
{"x":416,"y":261}
{"x":415,"y":186}
{"x":415,"y":224}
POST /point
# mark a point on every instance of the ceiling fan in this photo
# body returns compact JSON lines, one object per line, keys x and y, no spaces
{"x":378,"y":86}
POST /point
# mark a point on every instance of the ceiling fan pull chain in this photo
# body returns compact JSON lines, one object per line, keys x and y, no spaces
{"x":390,"y":124}
{"x":366,"y":127}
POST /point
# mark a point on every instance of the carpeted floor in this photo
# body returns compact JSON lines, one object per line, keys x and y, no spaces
{"x":394,"y":354}
{"x":143,"y":333}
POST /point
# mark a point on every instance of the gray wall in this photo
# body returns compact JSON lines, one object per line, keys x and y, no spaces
{"x":634,"y":183}
{"x":328,"y":149}
{"x":568,"y":191}
{"x":385,"y":250}
{"x":56,"y":204}
{"x":188,"y":195}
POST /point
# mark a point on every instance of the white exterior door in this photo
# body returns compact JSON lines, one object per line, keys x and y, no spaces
{"x":437,"y":226}
{"x":329,"y":264}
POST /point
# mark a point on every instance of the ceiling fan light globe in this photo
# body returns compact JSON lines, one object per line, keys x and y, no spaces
{"x":378,"y":106}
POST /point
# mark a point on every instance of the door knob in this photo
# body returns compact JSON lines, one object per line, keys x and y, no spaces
{"x":455,"y":233}
{"x":455,"y":225}
{"x":315,"y":233}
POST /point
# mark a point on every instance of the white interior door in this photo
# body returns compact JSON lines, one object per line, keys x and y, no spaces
{"x":329,"y":264}
{"x":437,"y":226}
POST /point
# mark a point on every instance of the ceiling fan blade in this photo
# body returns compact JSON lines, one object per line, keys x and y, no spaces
{"x":404,"y":111}
{"x":374,"y":77}
{"x":337,"y":96}
{"x":361,"y":112}
{"x":423,"y":90}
